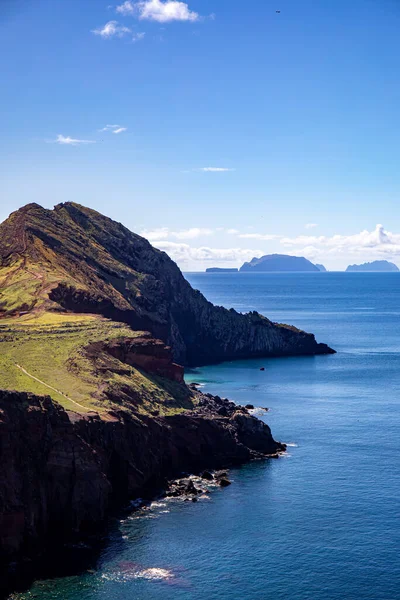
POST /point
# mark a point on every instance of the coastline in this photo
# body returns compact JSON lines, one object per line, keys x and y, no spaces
{"x":89,"y":469}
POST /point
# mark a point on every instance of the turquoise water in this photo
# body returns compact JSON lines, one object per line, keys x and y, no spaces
{"x":322,"y":523}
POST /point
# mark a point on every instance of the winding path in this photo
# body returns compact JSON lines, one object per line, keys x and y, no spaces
{"x":52,"y":388}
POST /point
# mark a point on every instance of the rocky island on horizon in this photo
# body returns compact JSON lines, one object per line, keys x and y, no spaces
{"x":279,"y":263}
{"x":376,"y":266}
{"x":96,"y":327}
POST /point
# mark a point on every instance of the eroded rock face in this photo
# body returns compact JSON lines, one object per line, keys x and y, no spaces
{"x":147,"y":353}
{"x":60,"y":472}
{"x":50,"y":478}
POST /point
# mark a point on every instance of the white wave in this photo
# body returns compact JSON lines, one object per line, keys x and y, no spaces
{"x":151,"y":574}
{"x":156,"y":504}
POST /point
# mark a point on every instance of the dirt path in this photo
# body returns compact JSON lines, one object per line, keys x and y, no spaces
{"x":52,"y":388}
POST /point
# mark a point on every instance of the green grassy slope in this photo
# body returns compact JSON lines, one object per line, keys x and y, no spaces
{"x":45,"y":353}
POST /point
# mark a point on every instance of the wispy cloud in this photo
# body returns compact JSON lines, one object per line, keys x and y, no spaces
{"x":69,"y":141}
{"x":190,"y":234}
{"x":114,"y":128}
{"x":126,"y":8}
{"x":183,"y":253}
{"x":158,"y":10}
{"x":259,"y":236}
{"x":111,"y":29}
{"x":162,"y":233}
{"x":214,"y":170}
{"x":310,"y":225}
{"x":377,"y":243}
{"x":138,"y":37}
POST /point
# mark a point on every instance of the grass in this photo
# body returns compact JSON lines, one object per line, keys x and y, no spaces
{"x":50,"y":347}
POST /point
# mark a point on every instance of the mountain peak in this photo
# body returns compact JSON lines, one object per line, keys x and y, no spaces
{"x":74,"y":259}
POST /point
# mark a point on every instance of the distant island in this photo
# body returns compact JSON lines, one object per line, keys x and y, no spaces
{"x":280,"y":262}
{"x":377,"y":266}
{"x":221,"y":270}
{"x":321,"y":268}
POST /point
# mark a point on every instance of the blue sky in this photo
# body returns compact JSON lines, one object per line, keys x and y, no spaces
{"x":236,"y":131}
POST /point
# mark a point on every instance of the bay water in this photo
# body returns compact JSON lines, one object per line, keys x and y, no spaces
{"x":321,"y":523}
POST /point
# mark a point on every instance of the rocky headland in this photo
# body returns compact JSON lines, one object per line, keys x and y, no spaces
{"x":61,"y":473}
{"x":96,"y":327}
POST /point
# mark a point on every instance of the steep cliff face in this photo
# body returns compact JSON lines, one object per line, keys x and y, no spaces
{"x":60,"y":472}
{"x":73,"y":258}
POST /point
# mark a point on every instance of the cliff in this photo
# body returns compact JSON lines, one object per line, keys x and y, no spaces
{"x":76,"y":260}
{"x":271,"y":263}
{"x":377,"y":266}
{"x":60,"y":472}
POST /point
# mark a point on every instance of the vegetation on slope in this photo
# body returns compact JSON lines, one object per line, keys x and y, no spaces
{"x":46,"y":353}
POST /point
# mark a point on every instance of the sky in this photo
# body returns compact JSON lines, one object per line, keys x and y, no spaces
{"x":218,"y":129}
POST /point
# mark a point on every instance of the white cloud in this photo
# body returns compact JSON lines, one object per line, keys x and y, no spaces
{"x":155,"y":234}
{"x":310,"y":225}
{"x":214,"y":170}
{"x":259,"y":236}
{"x":138,"y":37}
{"x":126,"y":8}
{"x":162,"y":233}
{"x":162,"y":12}
{"x":183,"y":253}
{"x":335,"y":250}
{"x":61,"y":139}
{"x":114,"y":128}
{"x":366,"y":245}
{"x":111,"y":29}
{"x":190,"y":234}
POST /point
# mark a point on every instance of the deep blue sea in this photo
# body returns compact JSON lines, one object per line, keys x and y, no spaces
{"x":322,"y":523}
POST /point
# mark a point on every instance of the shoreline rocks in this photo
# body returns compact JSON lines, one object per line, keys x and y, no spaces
{"x":62,"y":474}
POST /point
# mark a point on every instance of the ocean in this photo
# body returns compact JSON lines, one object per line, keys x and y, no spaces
{"x":322,"y":522}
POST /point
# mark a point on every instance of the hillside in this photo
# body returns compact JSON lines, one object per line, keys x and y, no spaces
{"x":377,"y":266}
{"x":74,"y":260}
{"x":271,"y":263}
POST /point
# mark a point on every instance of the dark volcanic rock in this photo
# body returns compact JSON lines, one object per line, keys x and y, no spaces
{"x":223,"y":482}
{"x":99,"y":266}
{"x":61,"y":472}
